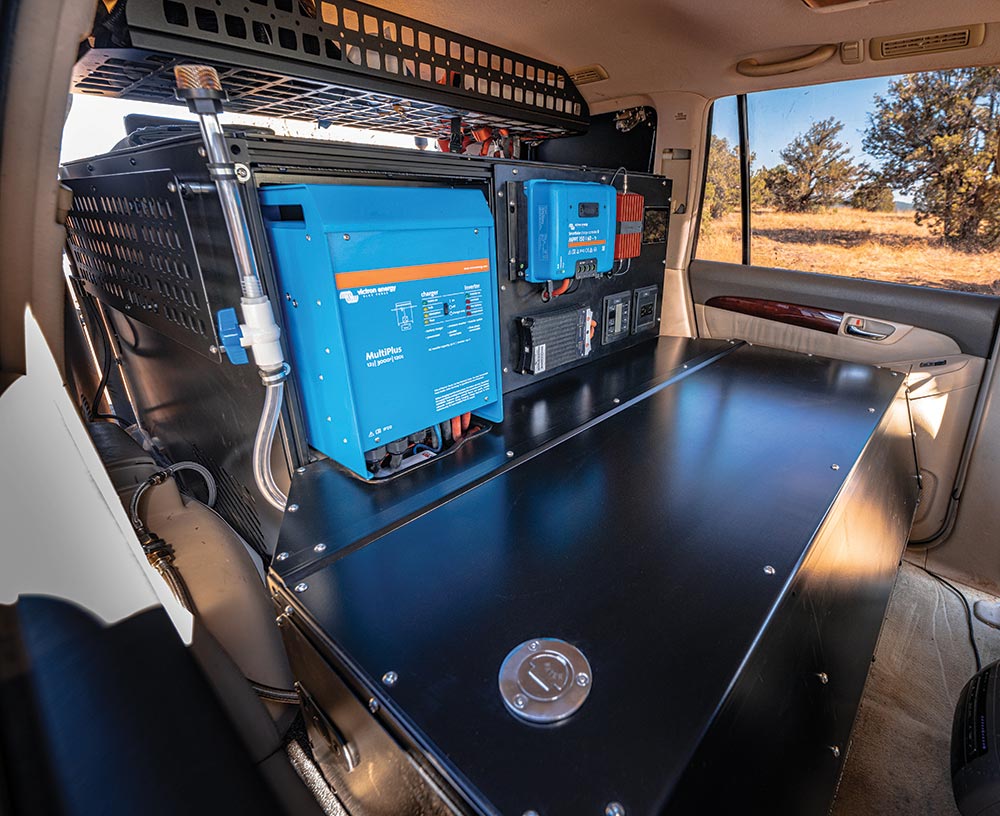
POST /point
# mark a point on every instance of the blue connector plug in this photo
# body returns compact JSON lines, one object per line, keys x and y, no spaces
{"x":230,"y":336}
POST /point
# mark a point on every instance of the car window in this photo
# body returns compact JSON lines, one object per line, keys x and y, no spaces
{"x":892,"y":178}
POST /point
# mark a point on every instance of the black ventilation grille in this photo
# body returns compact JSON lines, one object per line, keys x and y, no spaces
{"x":343,"y":63}
{"x":234,"y":501}
{"x":131,"y":247}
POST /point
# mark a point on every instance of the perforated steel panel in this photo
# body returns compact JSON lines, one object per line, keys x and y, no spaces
{"x":132,"y":249}
{"x":345,"y":63}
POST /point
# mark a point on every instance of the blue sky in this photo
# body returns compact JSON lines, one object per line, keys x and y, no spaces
{"x":777,"y":117}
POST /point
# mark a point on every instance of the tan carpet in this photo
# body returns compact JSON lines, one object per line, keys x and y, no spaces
{"x":899,"y":756}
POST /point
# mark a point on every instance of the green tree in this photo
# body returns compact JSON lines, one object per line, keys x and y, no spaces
{"x":722,"y":182}
{"x":817,"y":170}
{"x":936,"y":134}
{"x":873,"y":194}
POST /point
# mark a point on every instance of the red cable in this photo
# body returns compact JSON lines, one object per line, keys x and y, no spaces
{"x":562,"y":288}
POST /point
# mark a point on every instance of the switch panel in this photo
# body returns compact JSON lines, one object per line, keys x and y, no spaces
{"x":617,"y":314}
{"x":644,"y":309}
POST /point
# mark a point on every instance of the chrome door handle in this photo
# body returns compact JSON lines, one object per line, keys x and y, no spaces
{"x":854,"y":331}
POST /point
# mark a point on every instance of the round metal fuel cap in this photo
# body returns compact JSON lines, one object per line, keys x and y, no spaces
{"x":544,"y":680}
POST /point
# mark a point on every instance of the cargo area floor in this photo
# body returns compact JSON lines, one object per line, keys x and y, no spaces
{"x":899,"y":756}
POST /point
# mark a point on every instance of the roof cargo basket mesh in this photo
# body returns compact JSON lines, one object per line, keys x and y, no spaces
{"x":343,"y":63}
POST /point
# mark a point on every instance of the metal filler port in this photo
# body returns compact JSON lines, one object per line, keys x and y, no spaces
{"x":545,"y":680}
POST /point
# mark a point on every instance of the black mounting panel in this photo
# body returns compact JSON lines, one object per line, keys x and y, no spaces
{"x":344,"y":63}
{"x":132,"y":248}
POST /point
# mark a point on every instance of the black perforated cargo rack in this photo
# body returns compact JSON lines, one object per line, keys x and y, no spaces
{"x":343,"y":63}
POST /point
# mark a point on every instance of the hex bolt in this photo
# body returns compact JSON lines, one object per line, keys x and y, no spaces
{"x":834,"y":467}
{"x":171,"y":187}
{"x":616,"y":401}
{"x":614,"y":809}
{"x":823,"y":678}
{"x":373,"y":705}
{"x":300,"y":470}
{"x":390,"y":678}
{"x":510,"y":454}
{"x":289,"y":610}
{"x":292,"y":508}
{"x":583,"y":679}
{"x":301,"y":587}
{"x":321,"y":547}
{"x":533,"y":646}
{"x":835,"y":750}
{"x":281,"y":556}
{"x":769,"y":570}
{"x":213,"y":349}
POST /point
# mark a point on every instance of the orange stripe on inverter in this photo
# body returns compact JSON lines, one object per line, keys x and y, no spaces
{"x":401,"y":274}
{"x":585,"y":243}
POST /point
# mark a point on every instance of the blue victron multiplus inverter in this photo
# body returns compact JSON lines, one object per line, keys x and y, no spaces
{"x":389,"y":300}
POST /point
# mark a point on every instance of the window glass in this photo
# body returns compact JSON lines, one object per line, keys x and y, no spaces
{"x":719,"y":234}
{"x":891,"y":178}
{"x":95,"y":124}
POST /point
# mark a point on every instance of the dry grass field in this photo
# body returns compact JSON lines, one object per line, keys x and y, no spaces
{"x":859,"y":244}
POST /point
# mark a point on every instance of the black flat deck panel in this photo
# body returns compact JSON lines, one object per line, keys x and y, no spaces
{"x":642,"y":540}
{"x":353,"y":510}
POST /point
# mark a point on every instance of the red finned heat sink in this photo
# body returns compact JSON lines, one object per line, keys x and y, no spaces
{"x":628,"y":237}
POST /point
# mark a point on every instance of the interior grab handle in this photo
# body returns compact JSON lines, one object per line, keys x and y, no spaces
{"x":856,"y":331}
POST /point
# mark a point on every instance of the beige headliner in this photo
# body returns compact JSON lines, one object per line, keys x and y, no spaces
{"x":650,"y":46}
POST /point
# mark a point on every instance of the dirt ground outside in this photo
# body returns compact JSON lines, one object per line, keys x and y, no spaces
{"x":855,"y":243}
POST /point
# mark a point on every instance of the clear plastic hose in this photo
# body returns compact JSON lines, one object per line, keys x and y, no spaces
{"x":262,"y":474}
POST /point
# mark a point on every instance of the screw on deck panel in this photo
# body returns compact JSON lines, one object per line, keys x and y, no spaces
{"x":347,"y":237}
{"x":530,"y":813}
{"x":373,"y":705}
{"x":309,"y":237}
{"x":281,"y":556}
{"x":583,"y":679}
{"x":292,"y":508}
{"x":823,"y":678}
{"x":769,"y":570}
{"x":871,"y":410}
{"x":506,"y":370}
{"x":514,"y":171}
{"x":835,"y":750}
{"x":321,"y":547}
{"x":614,"y":809}
{"x":301,"y":587}
{"x":475,"y":232}
{"x":390,"y":678}
{"x":834,"y":467}
{"x":500,"y":193}
{"x":300,"y":470}
{"x":616,"y":401}
{"x":510,"y":454}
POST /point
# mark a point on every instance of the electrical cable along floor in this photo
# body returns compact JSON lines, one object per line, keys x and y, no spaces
{"x":899,"y":757}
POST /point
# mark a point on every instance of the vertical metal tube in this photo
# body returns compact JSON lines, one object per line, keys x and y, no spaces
{"x":224,"y":176}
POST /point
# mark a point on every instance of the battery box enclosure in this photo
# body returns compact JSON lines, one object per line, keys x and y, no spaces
{"x":389,"y":301}
{"x":571,"y":229}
